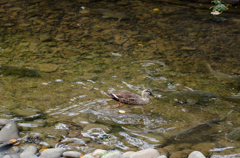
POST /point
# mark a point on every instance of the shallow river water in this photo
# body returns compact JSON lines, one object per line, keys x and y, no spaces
{"x":83,"y":57}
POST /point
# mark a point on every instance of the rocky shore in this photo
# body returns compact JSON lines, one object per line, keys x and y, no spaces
{"x":10,"y":131}
{"x":32,"y":152}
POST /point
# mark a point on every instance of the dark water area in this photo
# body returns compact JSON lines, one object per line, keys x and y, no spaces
{"x":58,"y":65}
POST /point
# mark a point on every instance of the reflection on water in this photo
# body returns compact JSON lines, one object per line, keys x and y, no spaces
{"x":81,"y":58}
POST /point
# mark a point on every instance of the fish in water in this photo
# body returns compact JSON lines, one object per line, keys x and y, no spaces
{"x":234,"y":98}
{"x":15,"y":70}
{"x":197,"y":131}
{"x":108,"y":13}
{"x":186,"y":97}
{"x":235,"y":134}
{"x":223,"y":76}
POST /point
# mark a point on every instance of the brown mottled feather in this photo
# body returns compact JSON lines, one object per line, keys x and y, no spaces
{"x":128,"y":98}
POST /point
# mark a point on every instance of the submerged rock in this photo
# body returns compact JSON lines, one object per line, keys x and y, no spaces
{"x":96,"y":127}
{"x":108,"y":13}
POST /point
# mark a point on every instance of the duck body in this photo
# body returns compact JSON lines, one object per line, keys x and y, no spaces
{"x":131,"y":98}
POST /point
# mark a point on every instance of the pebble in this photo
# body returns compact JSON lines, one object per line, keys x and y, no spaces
{"x":52,"y":153}
{"x":99,"y":151}
{"x":112,"y":154}
{"x":196,"y":154}
{"x":31,"y":149}
{"x":72,"y":154}
{"x":146,"y":153}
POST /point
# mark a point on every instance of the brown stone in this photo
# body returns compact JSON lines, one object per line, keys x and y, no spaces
{"x":178,"y":154}
{"x":74,"y":133}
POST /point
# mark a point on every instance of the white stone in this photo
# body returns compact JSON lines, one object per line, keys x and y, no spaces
{"x":146,"y":153}
{"x":52,"y":153}
{"x":73,"y":154}
{"x":99,"y":151}
{"x":128,"y":153}
{"x":196,"y":154}
{"x":113,"y":154}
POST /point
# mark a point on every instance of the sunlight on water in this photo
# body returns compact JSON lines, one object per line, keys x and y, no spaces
{"x":88,"y":57}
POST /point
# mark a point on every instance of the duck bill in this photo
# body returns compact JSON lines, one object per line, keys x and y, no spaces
{"x":152,"y":95}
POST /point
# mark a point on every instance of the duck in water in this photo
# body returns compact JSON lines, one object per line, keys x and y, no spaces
{"x":131,"y":98}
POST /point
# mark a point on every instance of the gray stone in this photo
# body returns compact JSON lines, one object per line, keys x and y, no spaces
{"x":7,"y":156}
{"x":113,"y":154}
{"x":146,"y":153}
{"x":27,"y":155}
{"x":12,"y":156}
{"x":31,"y":149}
{"x":128,"y":153}
{"x":29,"y":152}
{"x":196,"y":154}
{"x":9,"y":131}
{"x":16,"y":156}
{"x":72,"y":154}
{"x":52,"y":153}
{"x":99,"y":151}
{"x":4,"y":121}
